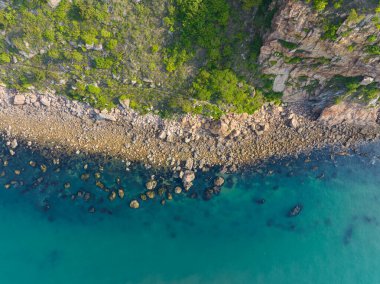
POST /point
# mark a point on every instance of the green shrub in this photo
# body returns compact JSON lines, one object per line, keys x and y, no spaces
{"x":288,"y":44}
{"x":223,"y":87}
{"x":4,"y":58}
{"x":330,"y":31}
{"x":373,"y":49}
{"x":93,"y":89}
{"x":372,"y":38}
{"x":112,"y":44}
{"x":103,"y":62}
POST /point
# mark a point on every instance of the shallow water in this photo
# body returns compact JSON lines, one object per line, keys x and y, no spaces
{"x":244,"y":235}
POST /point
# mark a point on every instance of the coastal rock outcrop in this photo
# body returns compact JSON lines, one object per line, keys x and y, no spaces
{"x":304,"y":50}
{"x":350,"y":113}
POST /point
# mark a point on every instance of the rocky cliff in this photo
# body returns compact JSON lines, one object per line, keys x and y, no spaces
{"x":306,"y":49}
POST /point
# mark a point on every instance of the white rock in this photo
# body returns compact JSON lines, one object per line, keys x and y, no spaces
{"x":19,"y":100}
{"x":106,"y":116}
{"x":366,"y":81}
{"x":279,"y":82}
{"x":14,"y":144}
{"x":45,"y":101}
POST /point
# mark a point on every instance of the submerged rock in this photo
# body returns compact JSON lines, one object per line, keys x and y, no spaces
{"x":91,"y":209}
{"x":219,"y":181}
{"x":85,"y":177}
{"x":295,"y":211}
{"x":207,"y":194}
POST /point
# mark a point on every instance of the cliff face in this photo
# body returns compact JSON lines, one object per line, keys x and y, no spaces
{"x":306,"y":49}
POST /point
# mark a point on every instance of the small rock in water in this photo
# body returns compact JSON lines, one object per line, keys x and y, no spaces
{"x":85,"y":177}
{"x":178,"y":190}
{"x":295,"y":211}
{"x":260,"y":201}
{"x":112,"y":196}
{"x":151,"y":194}
{"x":32,"y":164}
{"x":150,"y":185}
{"x":170,"y":196}
{"x":207,"y":194}
{"x":120,"y":192}
{"x":67,"y":185}
{"x":91,"y":209}
{"x":134,"y":204}
{"x":161,"y":191}
{"x":219,"y":181}
{"x":43,"y":168}
{"x":14,"y":144}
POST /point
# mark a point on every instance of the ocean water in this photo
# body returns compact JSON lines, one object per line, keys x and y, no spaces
{"x":243,"y":235}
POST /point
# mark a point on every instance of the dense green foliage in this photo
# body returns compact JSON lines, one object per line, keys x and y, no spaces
{"x":97,"y":51}
{"x":223,"y":87}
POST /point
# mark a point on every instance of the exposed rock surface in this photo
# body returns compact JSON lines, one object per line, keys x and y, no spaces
{"x":351,"y":114}
{"x":303,"y":67}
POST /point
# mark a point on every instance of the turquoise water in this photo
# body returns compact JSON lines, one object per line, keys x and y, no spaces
{"x":244,"y":235}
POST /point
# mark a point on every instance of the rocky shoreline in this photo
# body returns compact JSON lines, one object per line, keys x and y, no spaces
{"x":188,"y":141}
{"x":184,"y":144}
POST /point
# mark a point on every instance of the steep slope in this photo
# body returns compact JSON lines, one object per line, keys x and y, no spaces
{"x":307,"y":49}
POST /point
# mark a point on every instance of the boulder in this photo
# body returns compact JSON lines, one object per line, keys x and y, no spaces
{"x":280,"y":81}
{"x":220,"y":128}
{"x":53,"y":3}
{"x":106,"y":116}
{"x":19,"y":100}
{"x":366,"y":81}
{"x":45,"y":101}
{"x":125,"y":103}
{"x":188,"y":177}
{"x":189,"y":164}
{"x":293,"y":122}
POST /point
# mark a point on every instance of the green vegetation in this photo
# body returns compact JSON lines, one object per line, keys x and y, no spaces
{"x":96,"y":51}
{"x":353,"y":90}
{"x":288,"y":44}
{"x":201,"y":58}
{"x":373,"y":49}
{"x":330,"y":31}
